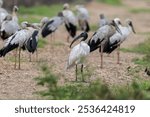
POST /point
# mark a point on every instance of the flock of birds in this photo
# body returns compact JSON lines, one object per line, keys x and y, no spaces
{"x":107,"y":38}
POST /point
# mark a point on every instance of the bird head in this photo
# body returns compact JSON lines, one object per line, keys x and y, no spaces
{"x":60,"y":14}
{"x":129,"y":23}
{"x":15,"y":8}
{"x":117,"y":21}
{"x":102,"y":16}
{"x":66,"y":6}
{"x":84,"y":35}
{"x":113,"y":23}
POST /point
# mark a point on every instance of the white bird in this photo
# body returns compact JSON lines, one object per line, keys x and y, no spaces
{"x":17,"y":40}
{"x":3,"y":12}
{"x":70,"y":21}
{"x":103,"y":20}
{"x":116,"y":40}
{"x":83,"y":17}
{"x":8,"y":27}
{"x":78,"y":53}
{"x":9,"y":21}
{"x":52,"y":25}
{"x":101,"y":37}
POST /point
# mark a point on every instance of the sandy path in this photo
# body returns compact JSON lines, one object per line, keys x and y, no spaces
{"x":19,"y":84}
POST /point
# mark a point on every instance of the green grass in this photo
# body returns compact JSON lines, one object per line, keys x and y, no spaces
{"x":89,"y":91}
{"x":142,"y":48}
{"x":140,"y":10}
{"x":111,"y":2}
{"x":48,"y":11}
{"x":42,"y":43}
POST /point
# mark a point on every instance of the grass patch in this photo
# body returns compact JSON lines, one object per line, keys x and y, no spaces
{"x":94,"y":27}
{"x":111,"y":2}
{"x":42,"y":43}
{"x":140,"y":10}
{"x":48,"y":11}
{"x":93,"y":91}
{"x":142,"y":48}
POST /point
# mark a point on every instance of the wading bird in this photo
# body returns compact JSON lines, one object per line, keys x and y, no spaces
{"x":103,"y":20}
{"x":70,"y":21}
{"x":52,"y":25}
{"x":17,"y":40}
{"x":101,"y":37}
{"x":83,"y":17}
{"x":117,"y":39}
{"x":9,"y":21}
{"x":78,"y":53}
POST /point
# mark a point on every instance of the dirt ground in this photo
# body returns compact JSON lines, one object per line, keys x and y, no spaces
{"x":20,"y":84}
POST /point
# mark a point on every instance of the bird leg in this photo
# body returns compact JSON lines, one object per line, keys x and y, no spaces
{"x":82,"y":72}
{"x":36,"y":55}
{"x":68,"y":38}
{"x":15,"y":58}
{"x":19,"y":57}
{"x":76,"y":72}
{"x":29,"y":57}
{"x":118,"y":55}
{"x":101,"y":56}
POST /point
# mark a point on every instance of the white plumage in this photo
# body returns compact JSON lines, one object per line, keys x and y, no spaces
{"x":69,"y":17}
{"x":103,"y":20}
{"x":77,"y":54}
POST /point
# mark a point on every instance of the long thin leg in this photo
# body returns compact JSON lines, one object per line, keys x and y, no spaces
{"x":82,"y":72}
{"x":76,"y":72}
{"x":15,"y":58}
{"x":68,"y":38}
{"x":101,"y":56}
{"x":29,"y":57}
{"x":19,"y":57}
{"x":118,"y":55}
{"x":36,"y":52}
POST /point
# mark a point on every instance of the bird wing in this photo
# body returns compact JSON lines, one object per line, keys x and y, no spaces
{"x":77,"y":54}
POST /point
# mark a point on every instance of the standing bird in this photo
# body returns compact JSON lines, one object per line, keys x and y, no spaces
{"x":101,"y":37}
{"x":117,"y":39}
{"x":78,"y":53}
{"x":52,"y":25}
{"x":3,"y":12}
{"x":9,"y":21}
{"x":103,"y":20}
{"x":83,"y":17}
{"x":70,"y":21}
{"x":17,"y":40}
{"x":8,"y":27}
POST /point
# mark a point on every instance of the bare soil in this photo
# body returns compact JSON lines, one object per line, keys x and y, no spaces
{"x":20,"y":84}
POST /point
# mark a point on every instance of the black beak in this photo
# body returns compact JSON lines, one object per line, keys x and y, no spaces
{"x":75,"y":39}
{"x":117,"y":28}
{"x":132,"y":27}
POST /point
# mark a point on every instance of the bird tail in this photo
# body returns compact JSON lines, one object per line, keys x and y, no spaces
{"x":1,"y":52}
{"x":7,"y":49}
{"x":72,"y":29}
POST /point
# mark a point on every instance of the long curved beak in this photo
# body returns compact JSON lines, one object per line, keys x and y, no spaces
{"x":75,"y":39}
{"x":132,"y":28}
{"x":117,"y":28}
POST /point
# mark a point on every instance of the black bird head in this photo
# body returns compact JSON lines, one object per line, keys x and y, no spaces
{"x":113,"y":23}
{"x":84,"y":35}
